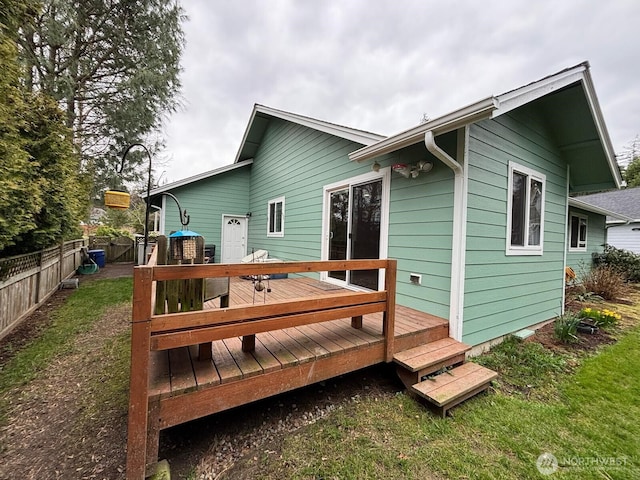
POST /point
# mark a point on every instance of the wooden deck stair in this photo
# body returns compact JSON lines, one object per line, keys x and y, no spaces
{"x":450,"y":387}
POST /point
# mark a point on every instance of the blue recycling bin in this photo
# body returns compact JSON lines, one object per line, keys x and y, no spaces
{"x":97,"y":256}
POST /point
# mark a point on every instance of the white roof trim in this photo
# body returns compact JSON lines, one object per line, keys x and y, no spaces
{"x":603,"y":133}
{"x":358,"y":136}
{"x":574,"y":202}
{"x":446,"y":123}
{"x":498,"y":105}
{"x":195,"y":178}
{"x":521,"y":96}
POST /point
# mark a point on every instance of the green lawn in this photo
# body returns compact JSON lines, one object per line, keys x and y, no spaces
{"x":77,"y":315}
{"x":583,"y":410}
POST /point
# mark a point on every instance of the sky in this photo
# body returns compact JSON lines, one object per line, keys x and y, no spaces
{"x":381,"y":65}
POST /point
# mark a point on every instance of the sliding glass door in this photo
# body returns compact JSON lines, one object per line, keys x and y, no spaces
{"x":354,"y":229}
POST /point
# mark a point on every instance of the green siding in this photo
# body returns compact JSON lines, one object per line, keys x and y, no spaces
{"x":420,"y":230}
{"x":596,"y":237}
{"x":207,"y":200}
{"x":296,"y":162}
{"x":505,"y":293}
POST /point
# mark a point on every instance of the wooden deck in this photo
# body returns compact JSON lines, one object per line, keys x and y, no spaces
{"x":295,"y":332}
{"x":178,"y":371}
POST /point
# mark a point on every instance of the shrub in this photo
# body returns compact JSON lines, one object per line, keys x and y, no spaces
{"x":605,"y":281}
{"x":566,"y":327}
{"x":106,"y":231}
{"x":625,"y":262}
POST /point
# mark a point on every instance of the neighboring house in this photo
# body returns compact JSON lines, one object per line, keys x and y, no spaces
{"x":621,"y":233}
{"x":474,"y":204}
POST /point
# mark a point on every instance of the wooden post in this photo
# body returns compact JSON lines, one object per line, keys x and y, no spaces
{"x":139,"y":379}
{"x":356,"y":322}
{"x":61,"y":265}
{"x":248,"y":343}
{"x":389,"y":317}
{"x":161,"y":287}
{"x":38,"y":277}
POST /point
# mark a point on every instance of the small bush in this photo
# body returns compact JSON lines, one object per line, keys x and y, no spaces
{"x":605,"y":281}
{"x":625,"y":262}
{"x":106,"y":231}
{"x":565,"y":328}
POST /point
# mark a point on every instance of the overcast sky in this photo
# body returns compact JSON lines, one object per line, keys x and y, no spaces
{"x":379,"y":65}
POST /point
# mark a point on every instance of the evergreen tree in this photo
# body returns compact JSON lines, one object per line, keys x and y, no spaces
{"x":113,"y":66}
{"x":41,"y":194}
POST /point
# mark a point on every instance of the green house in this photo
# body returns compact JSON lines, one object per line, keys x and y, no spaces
{"x":475,"y":205}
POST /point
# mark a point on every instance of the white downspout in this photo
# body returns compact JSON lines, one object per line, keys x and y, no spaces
{"x":459,"y":242}
{"x":566,"y":240}
{"x":163,"y":215}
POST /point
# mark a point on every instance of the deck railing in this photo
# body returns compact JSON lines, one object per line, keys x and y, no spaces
{"x":166,"y":331}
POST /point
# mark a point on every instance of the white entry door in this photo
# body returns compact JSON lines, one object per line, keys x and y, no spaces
{"x":234,"y":239}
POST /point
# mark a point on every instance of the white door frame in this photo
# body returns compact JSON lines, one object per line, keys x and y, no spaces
{"x":225,"y":218}
{"x":385,"y":175}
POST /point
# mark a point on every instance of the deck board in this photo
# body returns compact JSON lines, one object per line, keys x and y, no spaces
{"x":264,"y":357}
{"x":295,"y":348}
{"x":282,"y":349}
{"x":246,"y":362}
{"x":281,"y":353}
{"x":205,"y":371}
{"x":224,"y":362}
{"x":182,"y":376}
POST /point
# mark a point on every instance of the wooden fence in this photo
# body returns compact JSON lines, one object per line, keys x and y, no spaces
{"x":26,"y":281}
{"x":121,"y":249}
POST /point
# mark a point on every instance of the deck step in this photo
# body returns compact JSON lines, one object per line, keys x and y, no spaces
{"x":432,"y":356}
{"x":454,"y":386}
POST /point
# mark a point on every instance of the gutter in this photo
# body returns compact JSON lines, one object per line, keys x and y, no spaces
{"x":459,"y":233}
{"x":574,"y":202}
{"x":446,"y":123}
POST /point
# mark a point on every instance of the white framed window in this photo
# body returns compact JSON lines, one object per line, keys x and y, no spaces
{"x":578,"y":233}
{"x":275,"y":217}
{"x":525,"y":211}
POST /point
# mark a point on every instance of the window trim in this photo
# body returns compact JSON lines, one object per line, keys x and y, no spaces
{"x":579,"y":216}
{"x":530,"y":174}
{"x":275,"y":233}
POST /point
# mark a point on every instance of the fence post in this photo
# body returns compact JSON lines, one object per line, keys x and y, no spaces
{"x":389,"y":317}
{"x":38,"y":275}
{"x":61,"y":265}
{"x":139,"y":379}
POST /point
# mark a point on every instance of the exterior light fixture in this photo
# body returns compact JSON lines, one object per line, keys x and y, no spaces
{"x":412,"y":171}
{"x":376,"y":166}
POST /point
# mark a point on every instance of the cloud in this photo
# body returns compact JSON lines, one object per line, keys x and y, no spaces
{"x":379,"y":65}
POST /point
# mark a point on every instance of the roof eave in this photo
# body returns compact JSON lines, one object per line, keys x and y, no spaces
{"x":573,"y":202}
{"x":196,"y":178}
{"x":602,"y":128}
{"x":446,"y":123}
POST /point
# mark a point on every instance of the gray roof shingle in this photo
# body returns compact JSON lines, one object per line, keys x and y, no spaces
{"x":625,"y":202}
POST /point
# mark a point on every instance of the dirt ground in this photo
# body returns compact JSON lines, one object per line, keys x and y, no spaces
{"x":58,"y":428}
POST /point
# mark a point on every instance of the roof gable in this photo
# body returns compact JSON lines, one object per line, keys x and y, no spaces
{"x":261,"y":115}
{"x":582,"y":140}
